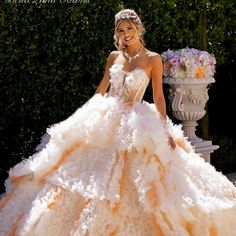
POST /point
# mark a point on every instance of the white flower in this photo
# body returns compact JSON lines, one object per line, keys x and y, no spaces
{"x":117,"y":74}
{"x":132,"y":80}
{"x":188,"y":63}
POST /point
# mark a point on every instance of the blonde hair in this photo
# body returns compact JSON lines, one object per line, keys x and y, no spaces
{"x":131,"y":16}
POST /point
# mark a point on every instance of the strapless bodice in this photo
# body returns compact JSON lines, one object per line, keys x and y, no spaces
{"x":127,"y":86}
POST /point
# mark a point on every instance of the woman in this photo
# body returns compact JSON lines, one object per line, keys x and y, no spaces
{"x":129,"y":41}
{"x":118,"y":166}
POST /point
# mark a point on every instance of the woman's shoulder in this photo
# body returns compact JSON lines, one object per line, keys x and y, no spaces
{"x":154,"y":57}
{"x":153,"y":54}
{"x":113,"y":55}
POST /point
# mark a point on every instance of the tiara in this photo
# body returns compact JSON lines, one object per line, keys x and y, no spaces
{"x":126,"y":15}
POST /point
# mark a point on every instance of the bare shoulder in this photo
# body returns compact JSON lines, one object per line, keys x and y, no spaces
{"x":152,"y":54}
{"x":154,"y":58}
{"x":114,"y":53}
{"x":112,"y":56}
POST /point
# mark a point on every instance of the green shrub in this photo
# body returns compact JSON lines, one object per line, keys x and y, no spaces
{"x":52,"y":57}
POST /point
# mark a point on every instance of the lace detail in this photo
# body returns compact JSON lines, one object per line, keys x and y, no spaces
{"x":133,"y":81}
{"x":127,"y":84}
{"x":117,"y":80}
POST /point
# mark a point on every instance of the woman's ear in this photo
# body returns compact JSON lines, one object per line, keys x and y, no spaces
{"x":139,"y":28}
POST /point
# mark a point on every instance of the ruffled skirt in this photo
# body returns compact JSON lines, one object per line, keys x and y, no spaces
{"x":108,"y":170}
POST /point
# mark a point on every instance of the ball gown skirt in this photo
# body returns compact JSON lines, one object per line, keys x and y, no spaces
{"x":108,"y":170}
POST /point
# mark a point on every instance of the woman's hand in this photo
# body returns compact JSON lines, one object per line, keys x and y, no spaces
{"x":128,"y":104}
{"x":171,"y":142}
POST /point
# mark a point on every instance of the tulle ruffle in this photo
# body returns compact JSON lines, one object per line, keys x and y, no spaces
{"x":108,"y":170}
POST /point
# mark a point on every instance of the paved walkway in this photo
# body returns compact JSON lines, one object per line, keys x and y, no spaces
{"x":232,"y":177}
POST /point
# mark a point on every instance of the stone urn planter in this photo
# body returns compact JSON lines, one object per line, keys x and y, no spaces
{"x":188,"y":99}
{"x":188,"y":93}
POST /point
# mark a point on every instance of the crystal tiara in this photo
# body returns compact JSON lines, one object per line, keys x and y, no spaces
{"x":126,"y":15}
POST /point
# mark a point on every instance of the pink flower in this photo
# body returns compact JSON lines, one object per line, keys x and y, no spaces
{"x":188,"y":63}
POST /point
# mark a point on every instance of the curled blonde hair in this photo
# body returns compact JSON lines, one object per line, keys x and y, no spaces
{"x":131,"y":16}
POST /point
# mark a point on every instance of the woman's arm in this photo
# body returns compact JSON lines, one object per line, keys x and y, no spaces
{"x":158,"y":94}
{"x":156,"y":76}
{"x":104,"y":84}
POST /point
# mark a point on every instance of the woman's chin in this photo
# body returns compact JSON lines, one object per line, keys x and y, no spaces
{"x":128,"y":43}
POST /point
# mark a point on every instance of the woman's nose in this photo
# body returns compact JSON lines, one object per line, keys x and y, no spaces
{"x":125,"y":33}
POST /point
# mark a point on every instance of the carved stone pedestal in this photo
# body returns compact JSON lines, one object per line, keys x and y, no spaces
{"x":205,"y":148}
{"x":188,"y":98}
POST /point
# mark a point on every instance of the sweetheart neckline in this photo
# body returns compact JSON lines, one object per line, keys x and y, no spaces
{"x":138,"y":68}
{"x":130,"y":72}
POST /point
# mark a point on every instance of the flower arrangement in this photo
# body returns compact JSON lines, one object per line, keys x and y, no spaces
{"x":188,"y":63}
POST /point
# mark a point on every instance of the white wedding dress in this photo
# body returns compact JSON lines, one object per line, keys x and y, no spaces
{"x":108,"y":170}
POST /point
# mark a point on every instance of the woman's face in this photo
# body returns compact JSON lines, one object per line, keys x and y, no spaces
{"x":128,"y":32}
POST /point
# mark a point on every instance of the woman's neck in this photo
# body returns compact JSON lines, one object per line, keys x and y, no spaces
{"x":134,"y":48}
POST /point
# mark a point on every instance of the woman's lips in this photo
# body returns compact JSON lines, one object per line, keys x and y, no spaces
{"x":128,"y":38}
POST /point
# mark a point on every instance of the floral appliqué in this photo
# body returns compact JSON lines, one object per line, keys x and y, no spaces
{"x":123,"y":82}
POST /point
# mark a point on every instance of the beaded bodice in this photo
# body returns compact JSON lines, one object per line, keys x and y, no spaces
{"x":128,"y":86}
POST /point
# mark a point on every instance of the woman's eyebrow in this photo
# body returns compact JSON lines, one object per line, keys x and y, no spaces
{"x":119,"y":28}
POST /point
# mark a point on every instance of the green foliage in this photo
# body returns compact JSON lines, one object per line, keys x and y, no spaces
{"x":167,"y":23}
{"x":221,"y":29}
{"x":52,"y":57}
{"x":177,"y":24}
{"x":224,"y":159}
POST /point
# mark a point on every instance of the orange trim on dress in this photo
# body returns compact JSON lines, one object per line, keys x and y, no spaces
{"x":122,"y":183}
{"x":64,"y":155}
{"x":13,"y":229}
{"x":183,"y":144}
{"x":15,"y":180}
{"x":114,"y":231}
{"x":55,"y":199}
{"x":189,"y":228}
{"x":213,"y":231}
{"x":156,"y":227}
{"x":153,"y":195}
{"x":7,"y":198}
